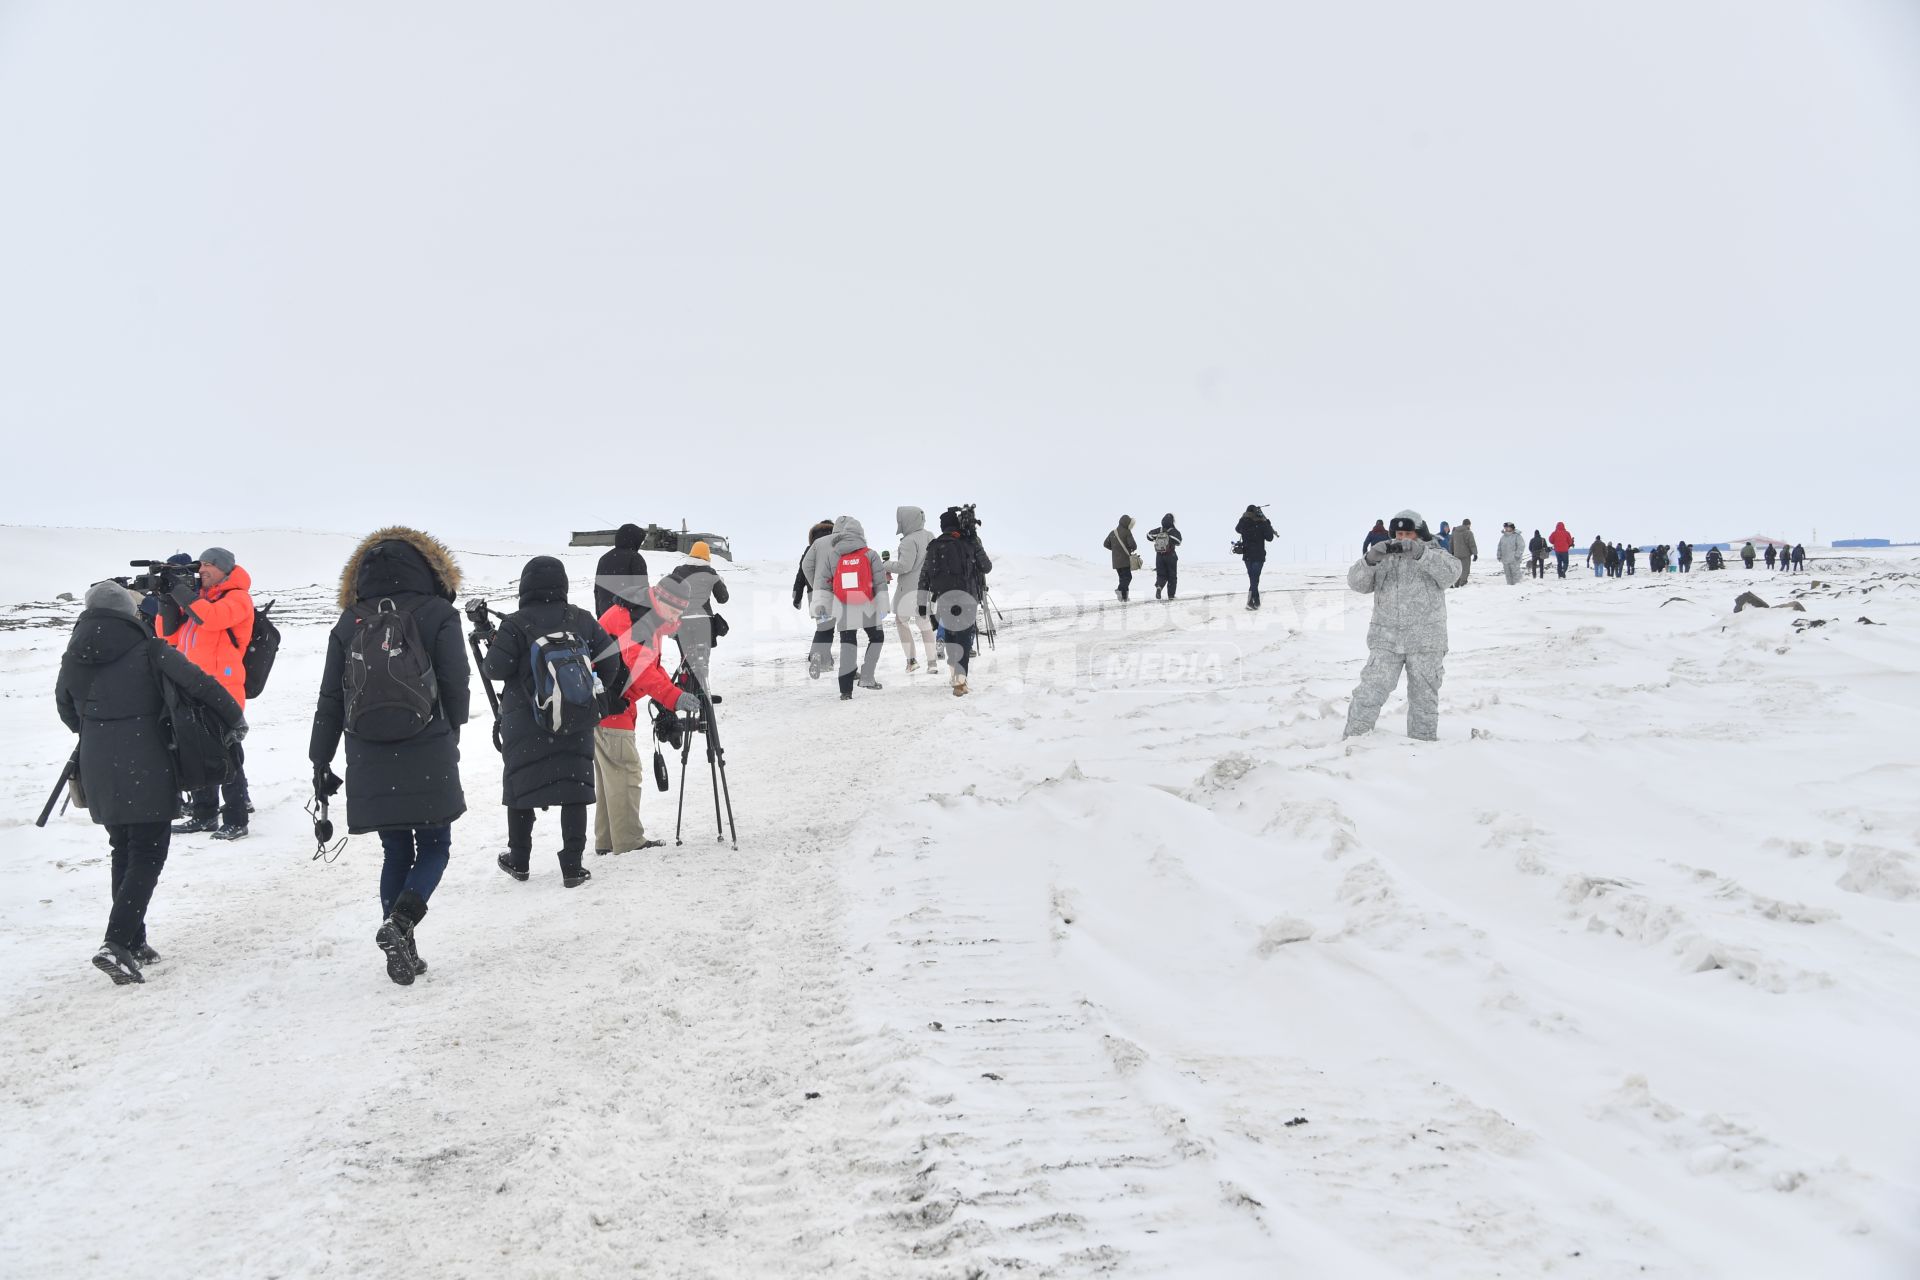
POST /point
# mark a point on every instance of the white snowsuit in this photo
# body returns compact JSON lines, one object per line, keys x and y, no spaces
{"x":909,"y":601}
{"x":1409,"y":630}
{"x":1512,"y":554}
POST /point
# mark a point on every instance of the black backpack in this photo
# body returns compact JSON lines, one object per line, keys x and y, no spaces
{"x":196,"y":740}
{"x":567,"y":695}
{"x":262,"y":648}
{"x":388,"y":682}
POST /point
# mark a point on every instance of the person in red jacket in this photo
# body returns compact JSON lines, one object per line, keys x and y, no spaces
{"x":211,"y":627}
{"x":640,"y":619}
{"x":1562,"y":543}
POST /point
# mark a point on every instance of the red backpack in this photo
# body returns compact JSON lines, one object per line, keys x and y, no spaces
{"x":853,"y":578}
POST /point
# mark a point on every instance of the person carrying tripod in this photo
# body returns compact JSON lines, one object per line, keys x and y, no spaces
{"x":113,"y":691}
{"x":559,"y":671}
{"x":955,"y":576}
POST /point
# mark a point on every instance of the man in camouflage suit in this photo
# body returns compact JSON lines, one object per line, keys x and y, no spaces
{"x":1408,"y":577}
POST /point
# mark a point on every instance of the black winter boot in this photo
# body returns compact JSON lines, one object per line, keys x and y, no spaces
{"x":117,"y":963}
{"x":515,"y":867}
{"x":395,"y":937}
{"x":572,"y":874}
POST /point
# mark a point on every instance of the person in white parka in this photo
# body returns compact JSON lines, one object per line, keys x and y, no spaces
{"x":1512,"y":553}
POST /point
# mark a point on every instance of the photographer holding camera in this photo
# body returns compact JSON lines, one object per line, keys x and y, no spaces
{"x":954,"y":575}
{"x":210,"y":620}
{"x":1408,"y":577}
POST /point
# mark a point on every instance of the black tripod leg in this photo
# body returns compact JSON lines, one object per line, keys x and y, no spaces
{"x":713,"y":776}
{"x":729,"y":797}
{"x":680,"y":810}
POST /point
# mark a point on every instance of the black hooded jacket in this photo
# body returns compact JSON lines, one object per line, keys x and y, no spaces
{"x":414,"y":782}
{"x":108,"y":692}
{"x":1255,"y":532}
{"x":544,"y":768}
{"x":623,"y":563}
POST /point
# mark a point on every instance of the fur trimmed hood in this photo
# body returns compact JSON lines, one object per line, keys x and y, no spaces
{"x":387,"y":570}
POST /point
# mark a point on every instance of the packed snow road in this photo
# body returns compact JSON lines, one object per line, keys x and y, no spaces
{"x":1124,"y":964}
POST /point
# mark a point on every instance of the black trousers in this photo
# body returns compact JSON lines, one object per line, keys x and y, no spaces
{"x":849,"y":655}
{"x":209,"y":800}
{"x":1126,"y":581}
{"x":960,"y":649}
{"x":1166,"y":573}
{"x":573,"y":836}
{"x":139,"y":852}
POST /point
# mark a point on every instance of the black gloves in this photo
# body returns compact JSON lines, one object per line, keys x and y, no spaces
{"x":184,"y":592}
{"x":325,"y":781}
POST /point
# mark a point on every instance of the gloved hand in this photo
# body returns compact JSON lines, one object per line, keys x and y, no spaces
{"x":238,"y":731}
{"x":1414,"y":549}
{"x":1380,"y":551}
{"x":325,"y":780}
{"x":796,"y":597}
{"x":184,"y":593}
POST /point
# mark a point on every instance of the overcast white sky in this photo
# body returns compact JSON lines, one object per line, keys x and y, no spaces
{"x":1651,"y":266}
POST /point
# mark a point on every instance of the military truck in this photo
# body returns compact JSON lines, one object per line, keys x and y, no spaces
{"x":658,"y":538}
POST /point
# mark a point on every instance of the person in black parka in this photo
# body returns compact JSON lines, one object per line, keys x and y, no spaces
{"x":544,"y":768}
{"x":408,"y":791}
{"x":622,"y":568}
{"x":109,"y":692}
{"x":1255,"y":531}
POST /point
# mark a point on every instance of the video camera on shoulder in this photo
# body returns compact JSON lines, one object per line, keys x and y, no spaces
{"x":161,"y":576}
{"x":970,"y":521}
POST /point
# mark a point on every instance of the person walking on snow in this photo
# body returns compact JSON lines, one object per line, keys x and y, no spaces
{"x":1510,"y":553}
{"x":1746,"y":555}
{"x":849,"y":596}
{"x":1769,"y":556}
{"x":904,"y":573}
{"x":1799,"y":557}
{"x":1537,"y":549}
{"x":403,"y":763}
{"x":110,"y":692}
{"x":1376,"y":534}
{"x":1562,"y":543}
{"x":1126,"y":555}
{"x":1166,"y":557}
{"x":1408,"y":580}
{"x":1255,"y":531}
{"x":1466,"y":549}
{"x":955,"y":578}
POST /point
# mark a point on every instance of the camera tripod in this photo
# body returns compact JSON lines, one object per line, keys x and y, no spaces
{"x":709,"y":728}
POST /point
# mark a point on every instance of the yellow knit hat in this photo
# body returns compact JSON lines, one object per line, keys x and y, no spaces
{"x":700,"y":551}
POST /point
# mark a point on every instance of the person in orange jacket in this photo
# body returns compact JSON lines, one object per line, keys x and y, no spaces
{"x":640,"y":619}
{"x":211,"y":627}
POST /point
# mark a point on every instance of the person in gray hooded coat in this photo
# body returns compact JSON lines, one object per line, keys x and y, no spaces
{"x":1512,"y":553}
{"x":841,"y":604}
{"x":910,"y":607}
{"x":1408,"y":578}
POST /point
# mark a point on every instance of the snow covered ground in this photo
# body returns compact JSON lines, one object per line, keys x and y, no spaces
{"x":1125,"y":964}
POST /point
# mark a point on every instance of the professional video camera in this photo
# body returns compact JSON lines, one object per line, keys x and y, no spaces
{"x":969,"y":522}
{"x":161,"y":577}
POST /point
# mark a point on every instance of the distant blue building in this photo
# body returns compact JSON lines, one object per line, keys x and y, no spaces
{"x":1863,"y":542}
